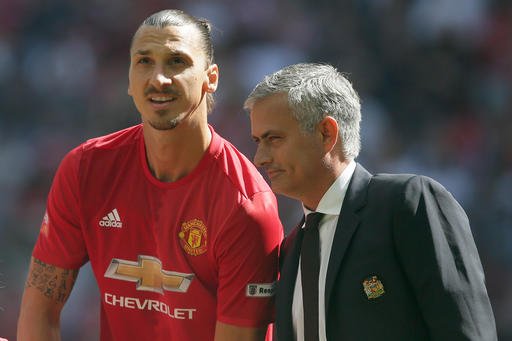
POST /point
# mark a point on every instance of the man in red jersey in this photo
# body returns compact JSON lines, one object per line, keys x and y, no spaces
{"x":181,"y":230}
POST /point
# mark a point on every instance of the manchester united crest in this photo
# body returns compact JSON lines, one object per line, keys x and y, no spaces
{"x":193,"y":237}
{"x":373,"y":287}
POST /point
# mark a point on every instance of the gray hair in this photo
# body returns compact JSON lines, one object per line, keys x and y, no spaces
{"x":175,"y":17}
{"x":315,"y":91}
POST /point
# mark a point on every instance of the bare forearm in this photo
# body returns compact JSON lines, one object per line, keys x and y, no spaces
{"x":35,"y":323}
{"x":46,"y":290}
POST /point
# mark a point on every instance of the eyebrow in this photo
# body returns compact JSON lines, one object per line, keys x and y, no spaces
{"x":265,"y":134}
{"x":173,"y":52}
{"x":142,"y":52}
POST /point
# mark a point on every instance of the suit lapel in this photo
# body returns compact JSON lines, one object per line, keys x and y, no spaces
{"x":290,"y":252}
{"x":355,"y":199}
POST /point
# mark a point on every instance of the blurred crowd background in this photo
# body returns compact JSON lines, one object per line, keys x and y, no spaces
{"x":434,"y":76}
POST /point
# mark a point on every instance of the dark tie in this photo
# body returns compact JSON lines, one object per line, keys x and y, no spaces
{"x":310,"y":270}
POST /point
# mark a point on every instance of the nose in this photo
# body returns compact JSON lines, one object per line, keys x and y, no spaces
{"x":159,"y":79}
{"x":262,"y":157}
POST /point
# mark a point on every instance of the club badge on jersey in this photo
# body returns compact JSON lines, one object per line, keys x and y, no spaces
{"x":193,"y":237}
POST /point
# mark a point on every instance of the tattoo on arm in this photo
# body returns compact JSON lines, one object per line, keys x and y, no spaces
{"x":55,"y":283}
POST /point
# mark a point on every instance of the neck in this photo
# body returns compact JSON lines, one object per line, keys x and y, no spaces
{"x":330,"y":172}
{"x":173,"y":154}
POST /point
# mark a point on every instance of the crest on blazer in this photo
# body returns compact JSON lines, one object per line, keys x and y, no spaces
{"x":373,"y":287}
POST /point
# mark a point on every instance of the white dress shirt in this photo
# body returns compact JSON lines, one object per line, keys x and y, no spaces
{"x":330,"y":206}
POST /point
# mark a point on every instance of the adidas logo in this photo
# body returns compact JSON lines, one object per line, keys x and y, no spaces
{"x":112,"y":219}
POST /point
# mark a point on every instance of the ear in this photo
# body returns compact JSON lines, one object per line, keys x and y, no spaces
{"x":212,"y":78}
{"x":129,"y":90}
{"x":329,"y":129}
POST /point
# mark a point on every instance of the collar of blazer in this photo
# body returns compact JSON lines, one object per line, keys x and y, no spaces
{"x":354,"y":200}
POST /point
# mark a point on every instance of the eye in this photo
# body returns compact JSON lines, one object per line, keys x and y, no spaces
{"x":273,"y":138}
{"x":143,"y":60}
{"x":176,"y":61}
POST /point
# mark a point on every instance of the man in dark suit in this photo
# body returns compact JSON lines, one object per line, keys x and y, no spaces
{"x":393,"y":256}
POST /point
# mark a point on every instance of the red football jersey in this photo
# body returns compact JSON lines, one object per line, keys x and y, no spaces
{"x":170,"y":259}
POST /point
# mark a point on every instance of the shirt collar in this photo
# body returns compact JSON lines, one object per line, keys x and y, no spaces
{"x":332,"y":200}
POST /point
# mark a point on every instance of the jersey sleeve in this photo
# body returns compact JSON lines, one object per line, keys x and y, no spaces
{"x":247,"y":262}
{"x":60,"y":240}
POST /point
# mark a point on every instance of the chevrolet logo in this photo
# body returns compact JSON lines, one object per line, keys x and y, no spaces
{"x":148,"y":275}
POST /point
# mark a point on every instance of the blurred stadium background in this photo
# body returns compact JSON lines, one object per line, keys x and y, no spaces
{"x":435,"y":78}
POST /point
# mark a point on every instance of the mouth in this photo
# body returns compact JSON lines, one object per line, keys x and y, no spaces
{"x":160,"y":102}
{"x":272,"y":173}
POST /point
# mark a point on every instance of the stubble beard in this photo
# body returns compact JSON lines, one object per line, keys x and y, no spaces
{"x":169,"y":124}
{"x":166,"y":124}
{"x":162,"y":123}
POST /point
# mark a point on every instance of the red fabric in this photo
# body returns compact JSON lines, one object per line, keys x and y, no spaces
{"x":218,"y":225}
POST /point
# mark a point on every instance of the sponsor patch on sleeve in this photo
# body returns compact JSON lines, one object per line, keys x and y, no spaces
{"x":260,"y":289}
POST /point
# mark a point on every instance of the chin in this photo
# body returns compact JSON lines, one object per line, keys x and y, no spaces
{"x":277,"y":189}
{"x":166,"y":125}
{"x":289,"y":192}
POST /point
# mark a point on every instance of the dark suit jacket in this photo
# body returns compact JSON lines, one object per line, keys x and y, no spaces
{"x":411,"y":234}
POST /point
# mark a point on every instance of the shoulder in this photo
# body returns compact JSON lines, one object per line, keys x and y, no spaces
{"x":92,"y":149}
{"x":411,"y":190}
{"x":113,"y":140}
{"x":398,"y":180}
{"x":118,"y":139}
{"x":404,"y":180}
{"x":404,"y":187}
{"x":387,"y":188}
{"x":241,"y":193}
{"x":411,"y":185}
{"x":241,"y":173}
{"x":405,"y":183}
